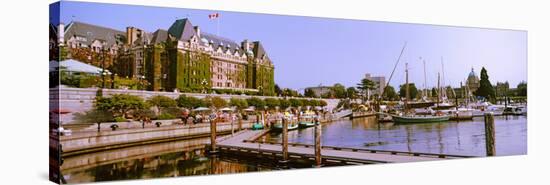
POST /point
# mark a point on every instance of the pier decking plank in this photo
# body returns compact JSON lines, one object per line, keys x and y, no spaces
{"x":237,"y":141}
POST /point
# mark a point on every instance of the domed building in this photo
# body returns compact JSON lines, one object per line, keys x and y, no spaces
{"x":473,"y":81}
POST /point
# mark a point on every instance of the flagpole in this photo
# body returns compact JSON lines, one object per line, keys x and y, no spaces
{"x":217,"y":25}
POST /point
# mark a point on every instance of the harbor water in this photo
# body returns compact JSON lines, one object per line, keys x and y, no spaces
{"x":450,"y":137}
{"x":188,"y":157}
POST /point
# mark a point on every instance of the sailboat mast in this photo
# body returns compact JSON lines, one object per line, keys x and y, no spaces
{"x":425,"y":91}
{"x":443,"y":93}
{"x":406,"y":86}
{"x":439,"y":89}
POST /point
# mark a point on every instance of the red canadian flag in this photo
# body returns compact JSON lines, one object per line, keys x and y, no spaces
{"x":214,"y":16}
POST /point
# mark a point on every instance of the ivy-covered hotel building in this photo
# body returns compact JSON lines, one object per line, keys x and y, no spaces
{"x":181,"y":57}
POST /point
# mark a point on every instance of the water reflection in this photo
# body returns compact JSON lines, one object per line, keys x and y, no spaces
{"x":182,"y":158}
{"x":461,"y":138}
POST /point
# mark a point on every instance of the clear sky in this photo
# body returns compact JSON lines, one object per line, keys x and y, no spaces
{"x":308,"y":51}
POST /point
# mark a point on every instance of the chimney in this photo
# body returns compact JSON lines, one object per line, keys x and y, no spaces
{"x":61,"y":34}
{"x":128,"y":35}
{"x":198,"y":31}
{"x":246,"y":45}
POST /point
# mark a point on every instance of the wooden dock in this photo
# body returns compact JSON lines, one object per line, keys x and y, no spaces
{"x":244,"y":142}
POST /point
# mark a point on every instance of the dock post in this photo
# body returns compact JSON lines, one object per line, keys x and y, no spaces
{"x":490,"y":134}
{"x":213,"y":136}
{"x":285,"y":142}
{"x":317,"y":143}
{"x":240,"y":117}
{"x":232,"y":122}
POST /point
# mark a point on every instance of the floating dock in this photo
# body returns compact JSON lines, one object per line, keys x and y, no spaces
{"x":245,"y":143}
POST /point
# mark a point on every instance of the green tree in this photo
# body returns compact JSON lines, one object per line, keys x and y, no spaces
{"x":389,"y":93}
{"x":256,"y":102}
{"x":207,"y":102}
{"x":522,"y":89}
{"x":295,"y":102}
{"x":120,"y":104}
{"x":351,"y":92}
{"x":278,"y":90}
{"x":413,"y":91}
{"x":162,"y":101}
{"x":239,"y":103}
{"x":218,"y":102}
{"x":94,"y":116}
{"x":309,"y":93}
{"x":339,"y":90}
{"x":485,"y":89}
{"x":189,"y":102}
{"x":322,"y":103}
{"x":284,"y":103}
{"x":365,"y":86}
{"x":434,"y":92}
{"x":502,"y":89}
{"x":305,"y":102}
{"x":272,"y":102}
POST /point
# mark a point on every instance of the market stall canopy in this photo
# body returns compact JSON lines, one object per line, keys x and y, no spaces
{"x":72,"y":65}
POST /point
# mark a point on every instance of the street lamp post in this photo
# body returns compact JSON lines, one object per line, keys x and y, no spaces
{"x":204,"y":83}
{"x":103,"y":67}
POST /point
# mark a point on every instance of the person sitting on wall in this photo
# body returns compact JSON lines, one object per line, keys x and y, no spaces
{"x":184,"y":117}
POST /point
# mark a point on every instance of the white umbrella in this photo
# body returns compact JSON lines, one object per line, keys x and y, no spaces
{"x":201,"y":109}
{"x":249,"y":109}
{"x":226,"y":109}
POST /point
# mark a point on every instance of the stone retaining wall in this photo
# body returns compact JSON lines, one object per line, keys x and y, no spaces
{"x":82,"y":99}
{"x":89,"y":140}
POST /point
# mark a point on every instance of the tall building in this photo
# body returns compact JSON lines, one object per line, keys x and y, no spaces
{"x":181,"y":57}
{"x":380,"y":82}
{"x":472,"y":81}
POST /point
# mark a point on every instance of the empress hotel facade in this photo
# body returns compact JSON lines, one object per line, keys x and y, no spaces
{"x":182,"y":57}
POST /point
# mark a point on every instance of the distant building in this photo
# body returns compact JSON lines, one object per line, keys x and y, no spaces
{"x":473,"y":81}
{"x":320,"y":90}
{"x":380,"y":82}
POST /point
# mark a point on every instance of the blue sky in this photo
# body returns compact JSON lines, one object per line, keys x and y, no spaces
{"x":308,"y":51}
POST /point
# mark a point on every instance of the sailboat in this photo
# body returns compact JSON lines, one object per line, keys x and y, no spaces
{"x":410,"y":117}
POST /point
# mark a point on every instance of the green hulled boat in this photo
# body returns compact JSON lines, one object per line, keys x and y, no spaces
{"x":306,"y":124}
{"x":419,"y":119}
{"x":279,"y":126}
{"x":257,"y":126}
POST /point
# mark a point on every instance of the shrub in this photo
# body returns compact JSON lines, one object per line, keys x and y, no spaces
{"x":174,"y":111}
{"x":305,"y":102}
{"x":162,"y":101}
{"x":189,"y":102}
{"x":272,"y":102}
{"x":284,"y":103}
{"x":295,"y":102}
{"x":322,"y":103}
{"x":239,"y":103}
{"x":218,"y":102}
{"x":166,"y":116}
{"x":256,"y":102}
{"x":120,"y":104}
{"x":120,"y":119}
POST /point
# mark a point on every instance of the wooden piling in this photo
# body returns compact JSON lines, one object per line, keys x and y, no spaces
{"x":490,"y":134}
{"x":317,"y":144}
{"x":213,"y":136}
{"x":285,"y":141}
{"x":240,"y":117}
